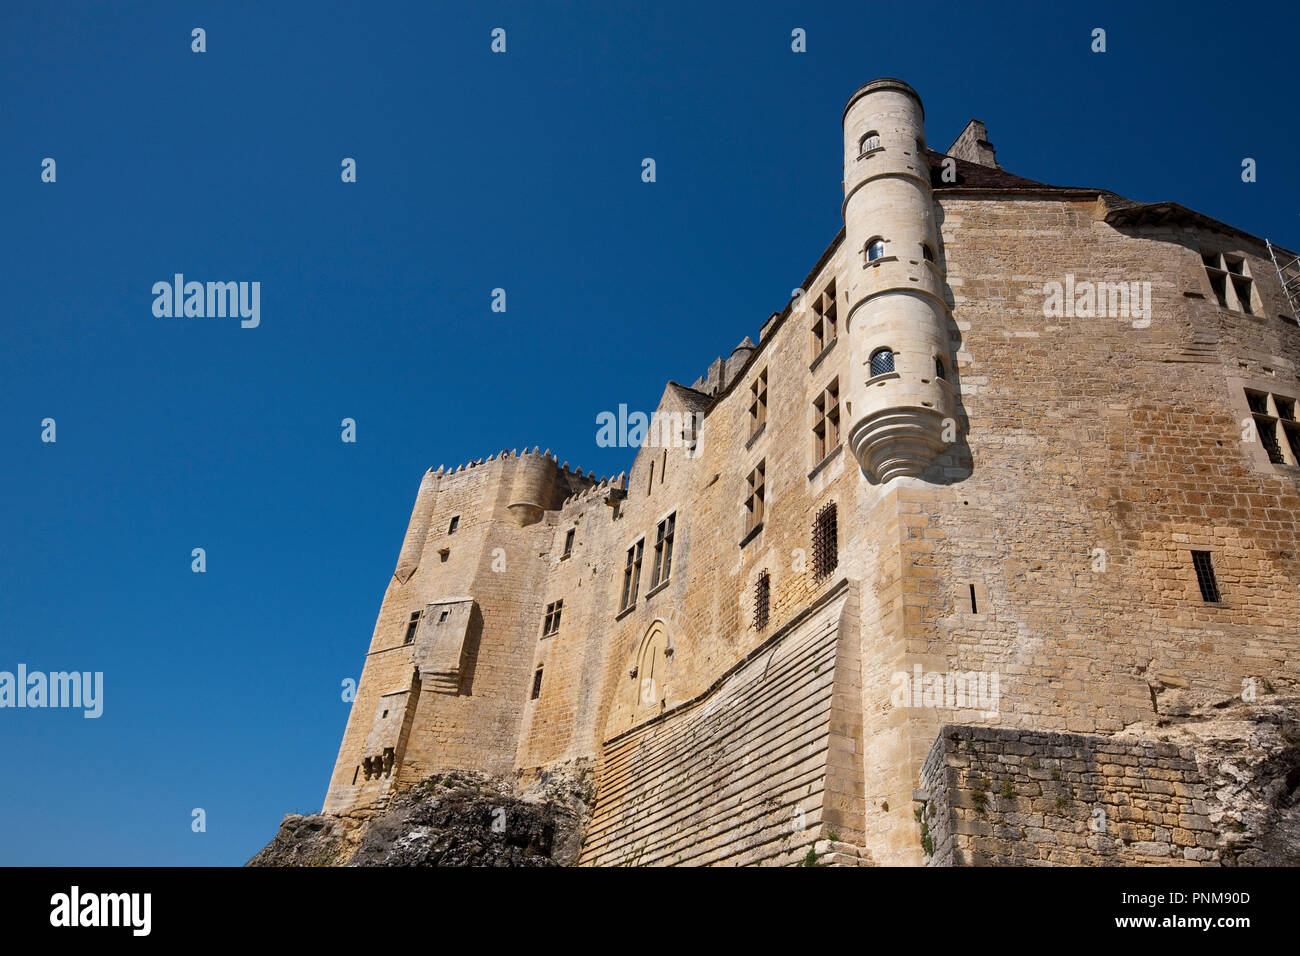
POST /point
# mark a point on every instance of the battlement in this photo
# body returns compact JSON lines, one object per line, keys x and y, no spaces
{"x":506,"y":454}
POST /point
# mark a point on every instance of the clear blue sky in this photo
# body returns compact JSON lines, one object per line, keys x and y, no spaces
{"x":475,"y":171}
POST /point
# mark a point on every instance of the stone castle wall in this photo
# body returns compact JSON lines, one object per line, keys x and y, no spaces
{"x":1091,"y":455}
{"x":997,"y":797}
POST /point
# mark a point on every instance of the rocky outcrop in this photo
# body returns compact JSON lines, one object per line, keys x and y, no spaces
{"x":1211,"y":780}
{"x":459,"y":818}
{"x":1248,"y":753}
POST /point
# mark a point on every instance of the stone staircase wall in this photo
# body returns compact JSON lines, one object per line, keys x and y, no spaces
{"x":739,"y":775}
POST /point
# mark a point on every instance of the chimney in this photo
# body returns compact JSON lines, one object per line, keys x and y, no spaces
{"x":973,"y":146}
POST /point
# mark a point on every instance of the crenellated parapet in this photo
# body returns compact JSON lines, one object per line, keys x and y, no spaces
{"x":603,"y":491}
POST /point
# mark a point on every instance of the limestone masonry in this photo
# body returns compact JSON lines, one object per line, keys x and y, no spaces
{"x":959,"y":564}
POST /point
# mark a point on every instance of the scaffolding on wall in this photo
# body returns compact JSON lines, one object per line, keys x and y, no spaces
{"x":1288,"y":271}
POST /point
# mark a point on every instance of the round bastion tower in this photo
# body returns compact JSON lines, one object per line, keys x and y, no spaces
{"x":900,"y":403}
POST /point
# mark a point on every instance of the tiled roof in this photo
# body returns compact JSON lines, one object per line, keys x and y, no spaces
{"x":974,"y":176}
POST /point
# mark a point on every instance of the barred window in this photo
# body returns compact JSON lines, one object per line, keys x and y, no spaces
{"x":758,"y":402}
{"x":882,"y":361}
{"x":762,"y":600}
{"x":632,"y":573}
{"x":754,"y":500}
{"x":551,"y":624}
{"x":825,"y":543}
{"x":826,"y":421}
{"x":663,"y":550}
{"x":869,"y":142}
{"x":1205,"y":577}
{"x":411,"y":625}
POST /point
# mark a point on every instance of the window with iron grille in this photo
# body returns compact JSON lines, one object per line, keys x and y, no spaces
{"x":826,"y":421}
{"x":825,"y":543}
{"x":882,"y":361}
{"x":762,"y":600}
{"x":663,"y":550}
{"x":411,"y":625}
{"x":537,"y":684}
{"x":1205,"y":576}
{"x":551,"y":624}
{"x":869,"y":142}
{"x":632,"y":573}
{"x":758,"y":402}
{"x":825,"y":326}
{"x":568,"y":541}
{"x":1231,"y":281}
{"x":754,"y":500}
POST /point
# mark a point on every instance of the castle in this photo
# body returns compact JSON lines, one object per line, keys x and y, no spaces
{"x":927,"y":570}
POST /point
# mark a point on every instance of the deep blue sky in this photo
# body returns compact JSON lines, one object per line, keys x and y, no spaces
{"x":475,"y":171}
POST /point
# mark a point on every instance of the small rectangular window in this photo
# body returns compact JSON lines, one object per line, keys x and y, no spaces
{"x":1205,"y":576}
{"x":754,"y":499}
{"x":758,"y":403}
{"x":551,"y":623}
{"x":568,"y":541}
{"x":537,"y":684}
{"x":632,"y":574}
{"x":1266,"y":422}
{"x":826,"y":421}
{"x":1231,"y":281}
{"x":1267,"y":428}
{"x":663,"y":550}
{"x":411,"y":625}
{"x":442,"y":618}
{"x":825,"y":326}
{"x":974,"y":607}
{"x":1241,"y":290}
{"x":455,"y":523}
{"x":1292,"y":433}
